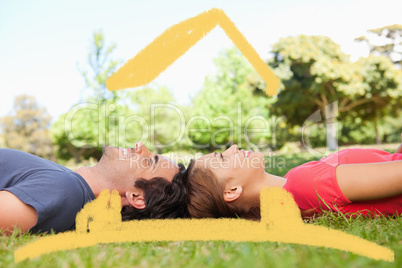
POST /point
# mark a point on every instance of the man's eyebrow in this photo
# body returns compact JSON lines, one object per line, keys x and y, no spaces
{"x":156,"y":159}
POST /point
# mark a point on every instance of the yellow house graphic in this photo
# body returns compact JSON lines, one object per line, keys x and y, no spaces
{"x":100,"y":221}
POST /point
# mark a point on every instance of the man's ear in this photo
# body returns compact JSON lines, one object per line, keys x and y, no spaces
{"x":136,"y":198}
{"x":232,"y":193}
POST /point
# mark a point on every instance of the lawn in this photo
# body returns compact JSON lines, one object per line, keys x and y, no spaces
{"x":385,"y":232}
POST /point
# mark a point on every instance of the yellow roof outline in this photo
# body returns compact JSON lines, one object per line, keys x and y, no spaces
{"x":150,"y":62}
{"x":100,"y":222}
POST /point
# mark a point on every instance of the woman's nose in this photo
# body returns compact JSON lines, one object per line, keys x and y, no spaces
{"x":235,"y":148}
{"x":232,"y":149}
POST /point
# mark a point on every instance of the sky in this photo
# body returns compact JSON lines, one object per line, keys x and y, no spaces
{"x":43,"y":43}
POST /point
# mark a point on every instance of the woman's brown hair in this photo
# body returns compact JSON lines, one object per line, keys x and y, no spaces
{"x":205,"y":195}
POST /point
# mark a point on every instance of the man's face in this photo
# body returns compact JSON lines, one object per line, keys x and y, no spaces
{"x":138,"y":162}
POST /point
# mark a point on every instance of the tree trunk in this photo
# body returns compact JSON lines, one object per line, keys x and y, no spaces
{"x":74,"y":152}
{"x":332,"y":141}
{"x":331,"y":112}
{"x":377,"y":132}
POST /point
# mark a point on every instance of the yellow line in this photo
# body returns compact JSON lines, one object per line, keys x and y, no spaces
{"x":150,"y":62}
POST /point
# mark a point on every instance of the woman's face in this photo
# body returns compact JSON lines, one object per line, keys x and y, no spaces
{"x":233,"y":163}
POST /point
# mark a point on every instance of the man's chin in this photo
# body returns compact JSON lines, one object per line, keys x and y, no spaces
{"x":107,"y":148}
{"x":108,"y":151}
{"x":116,"y":153}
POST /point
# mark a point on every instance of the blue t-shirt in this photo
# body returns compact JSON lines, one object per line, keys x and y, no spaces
{"x":55,"y":192}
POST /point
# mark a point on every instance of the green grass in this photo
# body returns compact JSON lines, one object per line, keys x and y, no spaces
{"x":386,"y":232}
{"x":279,"y":165}
{"x":383,"y":231}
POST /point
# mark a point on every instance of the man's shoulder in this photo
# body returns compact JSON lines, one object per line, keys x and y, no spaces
{"x":64,"y":180}
{"x":19,"y":160}
{"x":9,"y":151}
{"x":57,"y":196}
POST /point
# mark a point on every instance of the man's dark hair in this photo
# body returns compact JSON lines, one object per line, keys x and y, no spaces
{"x":163,"y":200}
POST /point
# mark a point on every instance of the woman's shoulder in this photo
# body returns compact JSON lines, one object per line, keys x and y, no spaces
{"x":365,"y":155}
{"x":357,"y":150}
{"x":346,"y":156}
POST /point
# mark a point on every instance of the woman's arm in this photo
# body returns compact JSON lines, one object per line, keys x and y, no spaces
{"x":359,"y":182}
{"x":15,"y":213}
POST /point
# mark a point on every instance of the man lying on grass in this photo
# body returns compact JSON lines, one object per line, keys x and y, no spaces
{"x":40,"y":196}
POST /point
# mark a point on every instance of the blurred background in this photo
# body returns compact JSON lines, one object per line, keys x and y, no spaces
{"x":55,"y":57}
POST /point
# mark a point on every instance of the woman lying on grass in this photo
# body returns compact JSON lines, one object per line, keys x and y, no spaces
{"x":228,"y":184}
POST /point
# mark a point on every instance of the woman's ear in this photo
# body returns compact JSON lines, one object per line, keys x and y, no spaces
{"x":136,"y":198}
{"x":232,"y":193}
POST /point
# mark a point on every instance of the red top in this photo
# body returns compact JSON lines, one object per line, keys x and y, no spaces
{"x":315,"y":188}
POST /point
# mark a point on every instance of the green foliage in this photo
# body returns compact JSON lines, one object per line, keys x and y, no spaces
{"x":27,"y":128}
{"x":391,"y":36}
{"x":315,"y":72}
{"x":225,"y":111}
{"x":160,"y":122}
{"x":382,"y":84}
{"x":391,"y":128}
{"x":101,"y":66}
{"x":232,"y":106}
{"x":150,"y":116}
{"x":93,"y":123}
{"x":118,"y":119}
{"x":83,"y":131}
{"x":2,"y":142}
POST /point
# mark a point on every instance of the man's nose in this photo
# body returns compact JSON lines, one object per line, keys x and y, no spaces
{"x":142,"y":150}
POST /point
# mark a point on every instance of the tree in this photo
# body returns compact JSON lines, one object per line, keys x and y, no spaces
{"x":2,"y":142}
{"x":383,"y":86}
{"x":225,"y":111}
{"x":156,"y":119}
{"x":27,"y":127}
{"x":315,"y":73}
{"x":87,"y":127}
{"x":385,"y":41}
{"x":101,"y":66}
{"x":118,"y":119}
{"x":92,"y":123}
